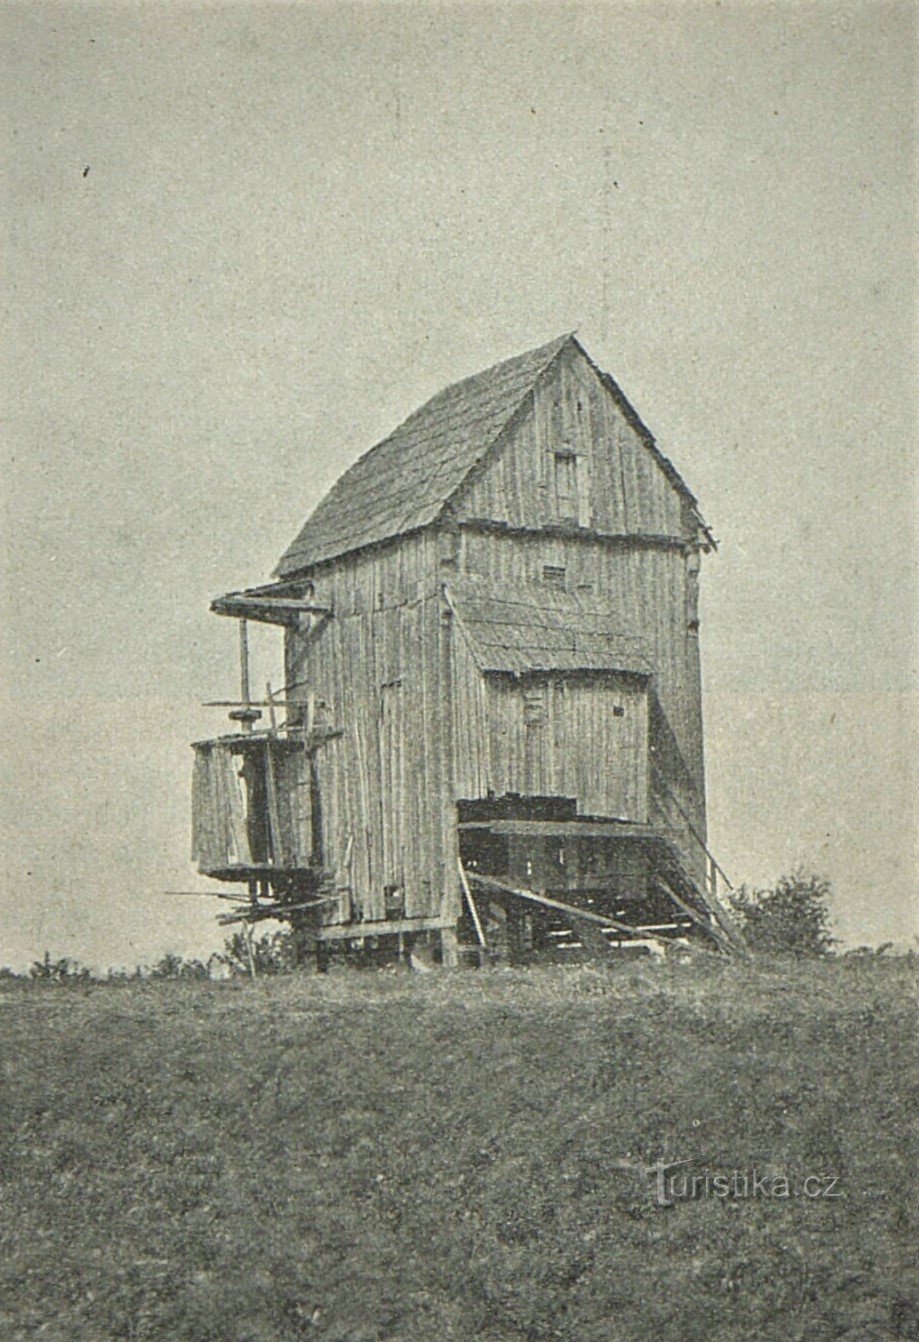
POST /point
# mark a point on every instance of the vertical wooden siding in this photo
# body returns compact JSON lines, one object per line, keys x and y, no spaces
{"x":645,"y":587}
{"x":380,"y":784}
{"x":628,"y":494}
{"x":552,"y":735}
{"x":623,"y":486}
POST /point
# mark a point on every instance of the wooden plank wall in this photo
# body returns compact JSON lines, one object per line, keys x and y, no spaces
{"x":559,"y":737}
{"x":552,"y":736}
{"x":572,"y":410}
{"x":422,"y":726}
{"x":644,"y":585}
{"x":377,"y":663}
{"x":628,"y":495}
{"x":294,"y":805}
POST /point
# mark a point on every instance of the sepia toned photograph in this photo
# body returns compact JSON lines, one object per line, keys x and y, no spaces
{"x":460,"y":620}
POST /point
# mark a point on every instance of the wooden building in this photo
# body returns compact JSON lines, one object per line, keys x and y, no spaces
{"x":491,"y":728}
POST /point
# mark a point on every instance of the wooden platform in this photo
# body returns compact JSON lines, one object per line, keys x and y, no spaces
{"x":565,"y":829}
{"x":388,"y":928}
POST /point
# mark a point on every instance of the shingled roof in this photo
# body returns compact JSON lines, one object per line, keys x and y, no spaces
{"x":524,"y":630}
{"x":404,"y":482}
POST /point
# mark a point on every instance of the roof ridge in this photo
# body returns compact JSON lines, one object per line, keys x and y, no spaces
{"x":412,"y":504}
{"x":555,"y":346}
{"x":488,"y":371}
{"x":502,"y":363}
{"x":409,"y":479}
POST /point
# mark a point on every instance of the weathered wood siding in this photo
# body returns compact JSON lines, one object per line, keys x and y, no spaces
{"x":382,"y":785}
{"x":572,"y":488}
{"x":582,"y":736}
{"x":648,"y":588}
{"x":673,"y":799}
{"x":622,"y":488}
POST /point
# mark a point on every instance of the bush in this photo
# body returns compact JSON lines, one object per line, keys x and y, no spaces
{"x":175,"y":967}
{"x":793,"y":918}
{"x":64,"y":970}
{"x":272,"y":952}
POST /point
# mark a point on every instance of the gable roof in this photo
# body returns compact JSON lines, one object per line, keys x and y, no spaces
{"x":521,"y":630}
{"x":404,"y":482}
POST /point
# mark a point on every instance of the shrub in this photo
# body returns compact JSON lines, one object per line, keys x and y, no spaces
{"x":64,"y":970}
{"x":272,"y":952}
{"x":172,"y":966}
{"x":793,"y":918}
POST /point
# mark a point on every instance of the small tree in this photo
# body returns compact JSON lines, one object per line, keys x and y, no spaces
{"x":793,"y":918}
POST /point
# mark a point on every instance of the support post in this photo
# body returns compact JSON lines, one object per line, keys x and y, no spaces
{"x":247,"y":934}
{"x":516,"y":934}
{"x":449,"y":952}
{"x":244,"y":663}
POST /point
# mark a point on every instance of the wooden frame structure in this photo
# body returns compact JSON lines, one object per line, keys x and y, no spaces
{"x":491,"y":728}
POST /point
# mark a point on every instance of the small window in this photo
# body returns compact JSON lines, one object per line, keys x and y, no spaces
{"x":618,"y":711}
{"x":553,"y":575}
{"x":566,"y":486}
{"x":534,"y":708}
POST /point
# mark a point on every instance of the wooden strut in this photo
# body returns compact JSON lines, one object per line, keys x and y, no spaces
{"x":274,"y":818}
{"x":718,"y":929}
{"x":570,"y":910}
{"x":383,"y":928}
{"x":712,"y":928}
{"x":691,"y":827}
{"x":479,"y":931}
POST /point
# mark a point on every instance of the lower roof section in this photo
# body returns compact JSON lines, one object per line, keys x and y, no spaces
{"x":521,"y":630}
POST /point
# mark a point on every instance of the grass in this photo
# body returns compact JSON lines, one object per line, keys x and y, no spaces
{"x":372,"y":1156}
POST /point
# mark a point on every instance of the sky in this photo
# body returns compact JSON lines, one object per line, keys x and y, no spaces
{"x":242,"y":242}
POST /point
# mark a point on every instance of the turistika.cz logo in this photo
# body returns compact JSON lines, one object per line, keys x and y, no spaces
{"x":672,"y":1182}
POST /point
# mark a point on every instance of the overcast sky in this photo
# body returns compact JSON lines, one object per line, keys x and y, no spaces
{"x":242,"y":242}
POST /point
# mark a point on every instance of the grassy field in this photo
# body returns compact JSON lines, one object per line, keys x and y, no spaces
{"x":373,"y":1156}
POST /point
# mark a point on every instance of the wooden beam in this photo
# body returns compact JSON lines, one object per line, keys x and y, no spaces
{"x":249,"y":740}
{"x":711,"y":927}
{"x":274,"y":818}
{"x":656,"y":769}
{"x":479,"y":931}
{"x":267,"y":609}
{"x":272,"y":715}
{"x":244,"y":663}
{"x":261,"y":871}
{"x":384,"y":928}
{"x":566,"y":829}
{"x":544,"y":901}
{"x":572,"y":531}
